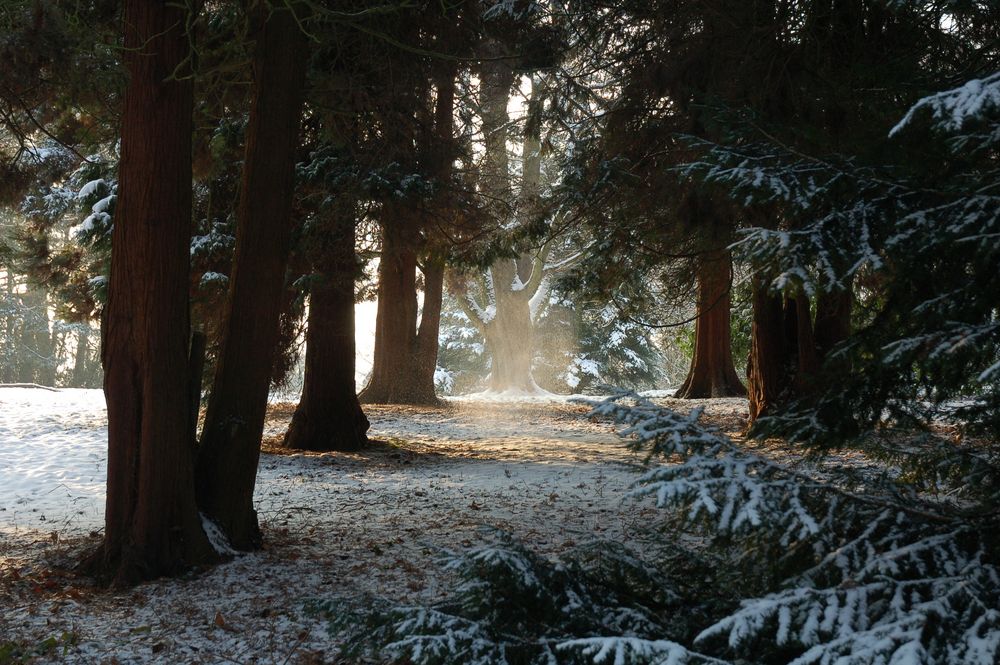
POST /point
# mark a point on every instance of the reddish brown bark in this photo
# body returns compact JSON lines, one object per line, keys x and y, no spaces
{"x":768,"y":371}
{"x":328,"y":416}
{"x":152,"y":527}
{"x":405,"y":356}
{"x":234,"y":422}
{"x":402,"y":371}
{"x":712,"y":372}
{"x":787,"y":349}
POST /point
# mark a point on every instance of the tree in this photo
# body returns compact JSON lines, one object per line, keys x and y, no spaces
{"x":405,"y":335}
{"x":152,"y":526}
{"x":662,"y":71}
{"x":234,"y":421}
{"x":514,"y":289}
{"x":406,"y":344}
{"x":712,"y":372}
{"x":329,"y":416}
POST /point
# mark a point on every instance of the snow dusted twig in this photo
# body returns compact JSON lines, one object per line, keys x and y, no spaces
{"x":708,"y":475}
{"x":635,"y":650}
{"x":951,"y":109}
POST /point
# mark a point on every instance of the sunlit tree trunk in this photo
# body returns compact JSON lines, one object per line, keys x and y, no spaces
{"x":37,"y":344}
{"x":397,"y":375}
{"x":510,"y":334}
{"x":328,"y":416}
{"x":234,"y":421}
{"x":152,"y":527}
{"x":712,"y":372}
{"x":405,"y":357}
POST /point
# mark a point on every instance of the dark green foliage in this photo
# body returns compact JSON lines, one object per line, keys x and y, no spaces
{"x":514,"y":606}
{"x":922,"y":239}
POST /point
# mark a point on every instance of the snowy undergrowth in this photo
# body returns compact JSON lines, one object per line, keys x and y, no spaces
{"x":809,"y":564}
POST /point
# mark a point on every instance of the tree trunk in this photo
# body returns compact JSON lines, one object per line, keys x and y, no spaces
{"x":712,"y":372}
{"x":769,"y":374}
{"x":39,"y":365}
{"x":510,"y":335}
{"x":152,"y":527}
{"x":329,"y":416}
{"x":395,"y":317}
{"x":785,"y":354}
{"x":397,"y":376}
{"x":425,"y":359}
{"x":80,"y":360}
{"x":234,"y":421}
{"x":833,"y":319}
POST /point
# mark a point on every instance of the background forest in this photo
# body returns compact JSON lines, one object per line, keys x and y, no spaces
{"x":795,"y":201}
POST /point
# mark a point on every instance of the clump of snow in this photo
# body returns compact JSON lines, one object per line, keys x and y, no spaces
{"x":213,"y":280}
{"x":215,"y":536}
{"x":951,"y":109}
{"x":91,"y":188}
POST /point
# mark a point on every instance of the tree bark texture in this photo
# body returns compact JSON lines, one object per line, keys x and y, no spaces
{"x":152,"y":527}
{"x":406,"y":355}
{"x":329,"y":416}
{"x":397,"y":375}
{"x":712,"y":372}
{"x":234,"y":421}
{"x":787,"y":347}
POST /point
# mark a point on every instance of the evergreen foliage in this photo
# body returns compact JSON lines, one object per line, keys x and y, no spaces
{"x":581,"y":346}
{"x":922,"y":234}
{"x":513,"y":606}
{"x":853,"y":562}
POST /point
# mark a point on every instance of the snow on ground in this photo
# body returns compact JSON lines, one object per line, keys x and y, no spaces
{"x":336,"y":524}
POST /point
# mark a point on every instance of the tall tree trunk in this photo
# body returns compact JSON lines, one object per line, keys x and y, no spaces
{"x":8,"y":333}
{"x":329,"y":416}
{"x":395,"y":317}
{"x":396,"y":377}
{"x":425,"y":358}
{"x":712,"y":372}
{"x":785,"y":354}
{"x":36,"y":339}
{"x":769,"y":374}
{"x":234,"y":421}
{"x":152,"y":527}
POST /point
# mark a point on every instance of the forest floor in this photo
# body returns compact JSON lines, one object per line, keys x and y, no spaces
{"x":345,"y":526}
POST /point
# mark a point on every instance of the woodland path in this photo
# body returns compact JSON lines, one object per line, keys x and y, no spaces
{"x":344,"y":525}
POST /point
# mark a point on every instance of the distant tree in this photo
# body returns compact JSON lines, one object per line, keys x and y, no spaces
{"x":422,"y":209}
{"x":328,"y":415}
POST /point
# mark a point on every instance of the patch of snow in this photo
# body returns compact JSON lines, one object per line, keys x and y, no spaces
{"x":215,"y":536}
{"x":91,"y":188}
{"x":52,"y":459}
{"x":336,"y":524}
{"x":670,"y":392}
